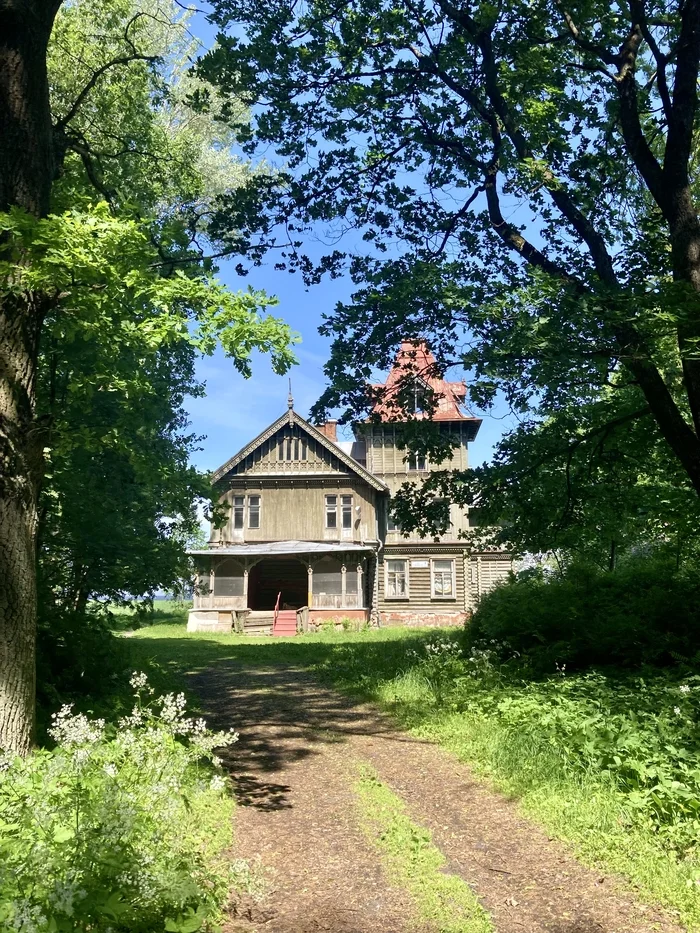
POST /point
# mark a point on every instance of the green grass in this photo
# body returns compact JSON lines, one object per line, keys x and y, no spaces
{"x":414,"y":863}
{"x":580,"y":805}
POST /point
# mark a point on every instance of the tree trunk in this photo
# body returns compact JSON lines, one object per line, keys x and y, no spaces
{"x":26,"y":176}
{"x":20,"y":468}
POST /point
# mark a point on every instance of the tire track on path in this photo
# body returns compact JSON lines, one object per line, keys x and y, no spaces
{"x":292,"y":772}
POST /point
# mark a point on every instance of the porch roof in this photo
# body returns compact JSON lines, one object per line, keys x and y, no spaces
{"x":273,"y":548}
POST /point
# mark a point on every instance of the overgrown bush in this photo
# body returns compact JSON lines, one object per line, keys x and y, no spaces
{"x":644,"y":612}
{"x":77,"y":657}
{"x":116,"y":830}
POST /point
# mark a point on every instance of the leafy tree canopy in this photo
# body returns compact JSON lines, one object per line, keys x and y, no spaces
{"x":523,"y":178}
{"x":134,"y":304}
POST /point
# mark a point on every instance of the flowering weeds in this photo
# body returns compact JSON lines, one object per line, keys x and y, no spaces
{"x":116,"y":831}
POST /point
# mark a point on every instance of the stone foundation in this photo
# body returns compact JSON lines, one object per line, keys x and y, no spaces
{"x":201,"y":620}
{"x":415,"y":619}
{"x":318,"y":616}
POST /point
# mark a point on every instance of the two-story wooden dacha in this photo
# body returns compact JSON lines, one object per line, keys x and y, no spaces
{"x":310,"y":529}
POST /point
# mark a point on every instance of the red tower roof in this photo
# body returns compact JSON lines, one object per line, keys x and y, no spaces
{"x":415,"y":361}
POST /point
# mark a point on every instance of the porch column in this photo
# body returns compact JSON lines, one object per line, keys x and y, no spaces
{"x":310,"y":593}
{"x":343,"y":585}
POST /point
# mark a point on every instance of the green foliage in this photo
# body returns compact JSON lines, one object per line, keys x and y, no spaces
{"x":117,"y":829}
{"x":607,"y":761}
{"x":131,"y":303}
{"x":646,"y":611}
{"x":497,"y":166}
{"x":444,"y":900}
{"x":78,"y":660}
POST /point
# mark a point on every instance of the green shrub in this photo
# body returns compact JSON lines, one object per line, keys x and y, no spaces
{"x":116,"y":830}
{"x":644,"y":612}
{"x":78,"y":657}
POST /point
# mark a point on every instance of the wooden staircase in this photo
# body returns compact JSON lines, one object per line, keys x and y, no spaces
{"x":285,"y":622}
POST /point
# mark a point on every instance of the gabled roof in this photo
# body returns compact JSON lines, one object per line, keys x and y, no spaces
{"x":415,"y":360}
{"x":290,"y":417}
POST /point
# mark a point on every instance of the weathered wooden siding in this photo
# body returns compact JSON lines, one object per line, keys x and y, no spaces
{"x":384,"y":456}
{"x":297,"y":510}
{"x":386,"y":460}
{"x":485,"y":572}
{"x":419,"y":582}
{"x":290,"y":452}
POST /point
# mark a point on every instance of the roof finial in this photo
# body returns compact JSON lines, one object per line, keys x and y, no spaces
{"x":290,"y":398}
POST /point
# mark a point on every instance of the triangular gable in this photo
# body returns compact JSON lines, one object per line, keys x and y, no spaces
{"x":292,"y":418}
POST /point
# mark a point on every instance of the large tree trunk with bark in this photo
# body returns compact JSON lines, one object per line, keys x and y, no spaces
{"x":26,"y":175}
{"x":20,"y":459}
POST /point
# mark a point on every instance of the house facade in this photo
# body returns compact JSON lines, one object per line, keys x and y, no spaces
{"x":310,"y":532}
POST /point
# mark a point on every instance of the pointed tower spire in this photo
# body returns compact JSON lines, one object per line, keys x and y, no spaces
{"x":290,"y":402}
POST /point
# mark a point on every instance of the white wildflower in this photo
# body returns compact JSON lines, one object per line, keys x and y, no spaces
{"x":684,"y":688}
{"x":217,"y":783}
{"x":75,"y":730}
{"x":110,"y":770}
{"x":138,"y":680}
{"x":677,"y":710}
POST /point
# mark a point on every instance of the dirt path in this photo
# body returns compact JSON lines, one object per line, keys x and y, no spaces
{"x":293,"y":771}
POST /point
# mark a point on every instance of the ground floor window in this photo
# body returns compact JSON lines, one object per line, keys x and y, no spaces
{"x":228,"y":579}
{"x":443,"y":579}
{"x":396,"y":579}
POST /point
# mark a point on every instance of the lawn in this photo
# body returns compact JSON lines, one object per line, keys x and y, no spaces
{"x":606,"y":760}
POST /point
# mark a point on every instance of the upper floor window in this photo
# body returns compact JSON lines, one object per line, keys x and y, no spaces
{"x":239,"y":512}
{"x":346,"y":510}
{"x":292,"y":448}
{"x":391,"y":523}
{"x":417,"y":462}
{"x":342,"y":504}
{"x":331,"y":511}
{"x":253,"y":511}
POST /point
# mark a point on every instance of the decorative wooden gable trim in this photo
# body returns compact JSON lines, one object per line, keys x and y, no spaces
{"x":290,"y":417}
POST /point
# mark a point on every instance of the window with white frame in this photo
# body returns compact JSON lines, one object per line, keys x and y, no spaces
{"x":238,"y":512}
{"x":417,"y":463}
{"x":396,"y":579}
{"x":443,"y":579}
{"x":253,"y":511}
{"x":331,"y":511}
{"x":346,"y":511}
{"x":240,"y":504}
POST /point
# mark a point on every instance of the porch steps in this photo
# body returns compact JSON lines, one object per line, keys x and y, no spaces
{"x":259,"y":622}
{"x":286,"y":622}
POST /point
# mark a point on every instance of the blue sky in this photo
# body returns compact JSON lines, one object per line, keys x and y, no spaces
{"x":235,"y":409}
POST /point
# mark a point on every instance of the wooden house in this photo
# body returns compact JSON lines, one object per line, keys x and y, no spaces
{"x":310,"y":531}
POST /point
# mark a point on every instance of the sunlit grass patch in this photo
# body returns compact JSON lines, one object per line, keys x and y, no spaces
{"x":413,"y":862}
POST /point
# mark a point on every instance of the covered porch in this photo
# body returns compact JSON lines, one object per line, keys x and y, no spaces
{"x":238,"y":586}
